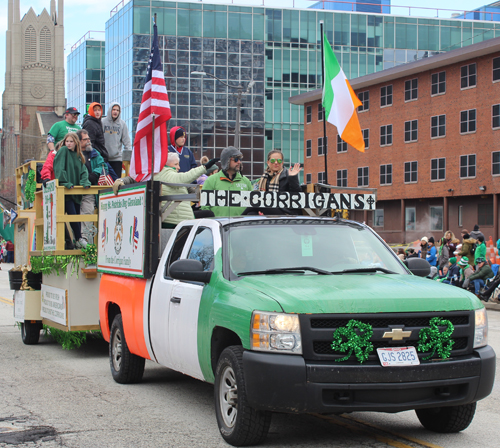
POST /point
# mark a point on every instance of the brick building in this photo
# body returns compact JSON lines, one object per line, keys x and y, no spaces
{"x":431,"y":131}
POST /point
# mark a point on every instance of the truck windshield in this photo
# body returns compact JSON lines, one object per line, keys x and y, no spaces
{"x":309,"y":249}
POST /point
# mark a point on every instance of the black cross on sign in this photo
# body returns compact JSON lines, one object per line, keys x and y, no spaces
{"x":370,"y":201}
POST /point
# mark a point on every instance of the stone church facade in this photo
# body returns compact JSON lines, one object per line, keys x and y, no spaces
{"x":34,"y":96}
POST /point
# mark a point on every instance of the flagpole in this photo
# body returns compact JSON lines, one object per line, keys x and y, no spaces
{"x":151,"y":210}
{"x":325,"y":147}
{"x":153,"y":128}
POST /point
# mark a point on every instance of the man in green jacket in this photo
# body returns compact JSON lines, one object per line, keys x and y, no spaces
{"x":483,"y":272}
{"x":480,"y":251}
{"x":228,"y":179}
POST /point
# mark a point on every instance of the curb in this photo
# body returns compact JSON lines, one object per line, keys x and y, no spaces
{"x":492,"y":306}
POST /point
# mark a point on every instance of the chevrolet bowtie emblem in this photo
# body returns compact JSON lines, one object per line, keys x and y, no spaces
{"x":397,"y":334}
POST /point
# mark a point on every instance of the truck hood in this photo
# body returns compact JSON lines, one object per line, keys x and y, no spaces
{"x":359,"y":293}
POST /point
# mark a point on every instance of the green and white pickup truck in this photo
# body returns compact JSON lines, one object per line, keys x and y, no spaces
{"x":299,"y":315}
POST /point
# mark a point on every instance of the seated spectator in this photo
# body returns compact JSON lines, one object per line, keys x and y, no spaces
{"x":483,"y":272}
{"x":410,"y":253}
{"x":401,"y":254}
{"x":453,"y":276}
{"x":70,"y":170}
{"x":466,"y":270}
{"x":487,"y":293}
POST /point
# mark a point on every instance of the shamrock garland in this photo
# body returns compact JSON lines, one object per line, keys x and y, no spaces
{"x":55,"y":264}
{"x":90,"y":254}
{"x":433,"y":339}
{"x":30,"y":187}
{"x":348,"y":339}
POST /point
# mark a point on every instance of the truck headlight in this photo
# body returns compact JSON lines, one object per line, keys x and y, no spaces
{"x":480,"y":328}
{"x":275,"y":332}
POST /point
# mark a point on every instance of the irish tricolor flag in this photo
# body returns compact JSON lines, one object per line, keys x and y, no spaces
{"x":340,"y":101}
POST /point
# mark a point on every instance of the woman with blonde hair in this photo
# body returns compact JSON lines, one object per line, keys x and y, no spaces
{"x":70,"y":170}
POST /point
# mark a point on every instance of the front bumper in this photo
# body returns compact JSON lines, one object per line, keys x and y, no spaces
{"x":287,"y":383}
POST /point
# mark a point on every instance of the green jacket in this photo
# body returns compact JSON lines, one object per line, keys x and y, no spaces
{"x":170,"y":175}
{"x":70,"y":171}
{"x":219,"y":181}
{"x":480,"y":251}
{"x":483,"y":273}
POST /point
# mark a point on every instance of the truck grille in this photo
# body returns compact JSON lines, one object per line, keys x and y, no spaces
{"x":317,"y":332}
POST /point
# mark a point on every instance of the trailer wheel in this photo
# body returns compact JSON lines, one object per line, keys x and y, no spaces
{"x":126,"y":367}
{"x":447,"y":419}
{"x":30,"y":332}
{"x":239,"y":424}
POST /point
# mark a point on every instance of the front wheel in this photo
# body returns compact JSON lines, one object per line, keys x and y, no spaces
{"x":239,"y":424}
{"x":30,"y":332}
{"x":126,"y":367}
{"x":447,"y":419}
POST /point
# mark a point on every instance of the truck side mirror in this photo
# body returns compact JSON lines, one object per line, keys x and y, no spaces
{"x":418,"y":266}
{"x":190,"y":270}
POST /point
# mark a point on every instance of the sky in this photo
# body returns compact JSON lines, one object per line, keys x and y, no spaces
{"x":91,"y":15}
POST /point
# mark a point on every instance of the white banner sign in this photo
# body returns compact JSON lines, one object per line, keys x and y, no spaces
{"x":121,"y":232}
{"x":284,"y":199}
{"x":54,"y":304}
{"x":49,"y":216}
{"x":19,"y":299}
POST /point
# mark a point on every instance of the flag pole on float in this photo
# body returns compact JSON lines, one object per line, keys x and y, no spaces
{"x":153,"y":130}
{"x":151,"y":210}
{"x":325,"y":147}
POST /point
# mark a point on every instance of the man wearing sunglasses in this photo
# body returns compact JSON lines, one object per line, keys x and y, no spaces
{"x":229,"y":179}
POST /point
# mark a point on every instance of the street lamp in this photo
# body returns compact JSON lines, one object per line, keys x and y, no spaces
{"x":240,"y":90}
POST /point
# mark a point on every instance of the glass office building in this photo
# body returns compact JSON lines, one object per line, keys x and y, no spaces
{"x":279,"y":49}
{"x":85,"y":68}
{"x":379,"y":6}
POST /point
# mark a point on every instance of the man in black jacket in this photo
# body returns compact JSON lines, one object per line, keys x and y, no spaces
{"x":92,"y":124}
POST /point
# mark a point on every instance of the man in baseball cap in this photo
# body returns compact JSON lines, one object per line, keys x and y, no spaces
{"x":59,"y":130}
{"x":483,"y":272}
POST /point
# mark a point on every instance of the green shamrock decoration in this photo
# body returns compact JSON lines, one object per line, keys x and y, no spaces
{"x":432,"y":338}
{"x":348,"y":339}
{"x":30,"y":187}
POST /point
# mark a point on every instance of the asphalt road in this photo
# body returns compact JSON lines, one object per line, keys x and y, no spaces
{"x":51,"y":397}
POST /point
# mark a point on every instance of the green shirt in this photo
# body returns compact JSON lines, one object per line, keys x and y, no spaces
{"x":61,"y":128}
{"x":219,"y":181}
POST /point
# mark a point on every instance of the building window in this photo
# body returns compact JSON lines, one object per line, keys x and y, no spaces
{"x":320,"y":112}
{"x":438,"y":169}
{"x":411,"y":169}
{"x":386,"y":174}
{"x":485,"y":214}
{"x":438,"y":83}
{"x":308,"y":114}
{"x":467,"y":166}
{"x":364,"y":97}
{"x":321,"y":149}
{"x":308,"y":178}
{"x":45,"y":47}
{"x":460,"y":211}
{"x":436,"y":217}
{"x":321,"y":177}
{"x":411,"y":89}
{"x":386,"y":96}
{"x":366,"y":137}
{"x":386,"y":135}
{"x":468,"y":76}
{"x":467,"y":121}
{"x":308,"y":148}
{"x":438,"y":126}
{"x":410,"y":218}
{"x":341,"y":144}
{"x":363,"y":176}
{"x":411,"y":131}
{"x":495,"y":116}
{"x":496,"y":69}
{"x":495,"y":163}
{"x":29,"y":45}
{"x":378,"y":217}
{"x":341,"y":178}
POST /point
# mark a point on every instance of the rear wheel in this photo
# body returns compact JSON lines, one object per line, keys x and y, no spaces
{"x":447,"y":419}
{"x":30,"y":332}
{"x":239,"y":424}
{"x":126,"y":367}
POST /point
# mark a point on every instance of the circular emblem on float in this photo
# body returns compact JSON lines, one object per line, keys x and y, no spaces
{"x":118,"y":233}
{"x":37,"y":91}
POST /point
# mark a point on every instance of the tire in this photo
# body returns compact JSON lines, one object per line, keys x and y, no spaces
{"x":126,"y":367}
{"x":239,"y":424}
{"x":30,"y":332}
{"x":447,"y":419}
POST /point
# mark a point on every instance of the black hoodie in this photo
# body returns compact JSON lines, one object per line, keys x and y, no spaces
{"x":93,"y":126}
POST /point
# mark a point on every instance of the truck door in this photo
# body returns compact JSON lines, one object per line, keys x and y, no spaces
{"x":184,"y":308}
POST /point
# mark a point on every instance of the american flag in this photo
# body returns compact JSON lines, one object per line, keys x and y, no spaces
{"x":136,"y":235}
{"x":154,"y":101}
{"x":104,"y":179}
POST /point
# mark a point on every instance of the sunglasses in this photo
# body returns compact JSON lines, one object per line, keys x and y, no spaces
{"x":237,"y":159}
{"x":275,"y":160}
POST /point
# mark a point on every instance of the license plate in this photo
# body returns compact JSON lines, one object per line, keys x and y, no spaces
{"x":398,"y":356}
